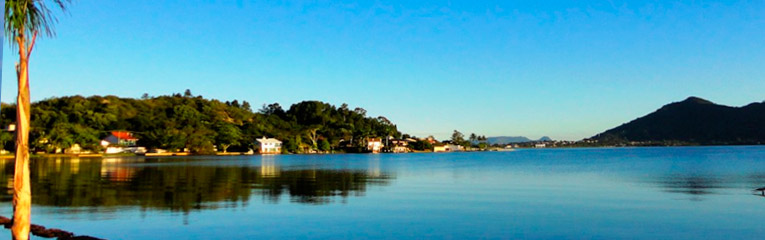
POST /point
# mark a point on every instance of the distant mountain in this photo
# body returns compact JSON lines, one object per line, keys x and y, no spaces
{"x":511,"y":139}
{"x":694,"y":121}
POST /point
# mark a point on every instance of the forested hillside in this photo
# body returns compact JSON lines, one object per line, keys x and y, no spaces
{"x":185,"y":121}
{"x":693,"y":121}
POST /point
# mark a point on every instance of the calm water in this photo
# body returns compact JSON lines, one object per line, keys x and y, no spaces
{"x":647,"y":193}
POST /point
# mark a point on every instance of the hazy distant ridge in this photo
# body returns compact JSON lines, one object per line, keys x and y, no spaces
{"x":695,"y":121}
{"x":513,"y":139}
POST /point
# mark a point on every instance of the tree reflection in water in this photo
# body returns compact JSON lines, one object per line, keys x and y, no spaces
{"x":183,"y":185}
{"x":698,"y":186}
{"x":692,"y":185}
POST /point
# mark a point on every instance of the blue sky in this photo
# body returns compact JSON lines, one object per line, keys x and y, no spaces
{"x":566,"y":69}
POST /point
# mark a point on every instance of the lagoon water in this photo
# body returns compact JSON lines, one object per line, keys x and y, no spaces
{"x":604,"y":193}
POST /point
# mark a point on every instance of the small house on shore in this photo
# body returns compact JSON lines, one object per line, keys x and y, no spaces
{"x":120,"y":142}
{"x":448,"y":148}
{"x":120,"y":138}
{"x":374,"y":145}
{"x":268,"y":145}
{"x":400,"y":145}
{"x":430,"y":140}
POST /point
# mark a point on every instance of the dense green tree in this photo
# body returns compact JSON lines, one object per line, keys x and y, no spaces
{"x":324,"y":145}
{"x":246,"y":106}
{"x":421,"y":145}
{"x":458,"y":137}
{"x":273,"y":109}
{"x":200,"y":140}
{"x":60,"y":136}
{"x":483,"y":145}
{"x":227,"y":135}
{"x":6,"y":138}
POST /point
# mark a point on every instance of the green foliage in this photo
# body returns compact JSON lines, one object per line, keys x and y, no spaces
{"x":191,"y":122}
{"x":227,"y":135}
{"x":421,"y":145}
{"x":483,"y":145}
{"x":28,"y":17}
{"x":457,"y":137}
{"x":324,"y":145}
{"x":6,"y":138}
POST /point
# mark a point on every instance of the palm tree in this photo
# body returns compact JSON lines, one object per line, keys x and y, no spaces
{"x":24,"y":20}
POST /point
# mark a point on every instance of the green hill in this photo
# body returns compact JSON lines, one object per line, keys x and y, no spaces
{"x":180,"y":121}
{"x":693,"y":121}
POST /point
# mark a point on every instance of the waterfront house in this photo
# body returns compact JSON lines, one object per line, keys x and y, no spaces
{"x":75,"y":148}
{"x":374,"y":145}
{"x":430,"y":140}
{"x":439,"y":148}
{"x":120,"y":138}
{"x":448,"y":148}
{"x":269,"y":145}
{"x":121,"y":142}
{"x":399,"y":145}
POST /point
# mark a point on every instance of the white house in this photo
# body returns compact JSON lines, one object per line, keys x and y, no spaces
{"x":269,"y":145}
{"x":120,"y":138}
{"x":374,"y":145}
{"x":448,"y":148}
{"x":120,"y":142}
{"x":400,"y":145}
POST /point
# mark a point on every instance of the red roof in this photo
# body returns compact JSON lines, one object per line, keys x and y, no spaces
{"x":124,"y":135}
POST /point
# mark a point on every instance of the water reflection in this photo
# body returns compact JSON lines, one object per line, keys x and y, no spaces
{"x":697,"y":187}
{"x":185,"y":185}
{"x":692,"y":185}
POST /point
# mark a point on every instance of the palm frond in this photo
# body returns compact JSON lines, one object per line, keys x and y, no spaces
{"x":27,"y":17}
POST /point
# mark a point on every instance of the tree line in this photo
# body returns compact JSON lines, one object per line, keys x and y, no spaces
{"x":184,"y":121}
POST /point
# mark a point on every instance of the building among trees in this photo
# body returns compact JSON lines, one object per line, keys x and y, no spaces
{"x":268,"y":145}
{"x":374,"y":145}
{"x":120,"y":138}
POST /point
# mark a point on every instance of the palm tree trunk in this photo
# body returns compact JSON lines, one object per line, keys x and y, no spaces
{"x":22,"y":192}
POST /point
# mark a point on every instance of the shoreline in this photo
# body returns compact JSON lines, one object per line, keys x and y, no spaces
{"x":187,"y":154}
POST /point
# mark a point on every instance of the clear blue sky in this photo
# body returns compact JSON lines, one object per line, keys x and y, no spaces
{"x":567,"y":69}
